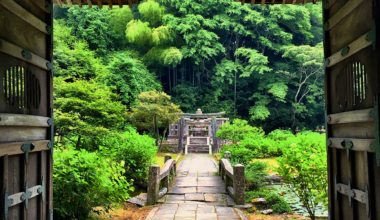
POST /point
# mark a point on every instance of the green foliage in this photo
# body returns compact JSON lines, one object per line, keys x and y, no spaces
{"x":85,"y":180}
{"x":129,"y":77}
{"x":307,"y":159}
{"x":255,"y":175}
{"x":136,"y":151}
{"x":154,"y":110}
{"x":119,"y":19}
{"x":85,"y":111}
{"x":151,"y":12}
{"x":238,"y":130}
{"x":273,"y":200}
{"x":91,"y":24}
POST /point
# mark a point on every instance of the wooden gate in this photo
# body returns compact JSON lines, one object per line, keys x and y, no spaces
{"x":351,"y":84}
{"x":26,"y":117}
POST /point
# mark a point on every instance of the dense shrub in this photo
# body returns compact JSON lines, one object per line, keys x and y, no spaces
{"x":138,"y":152}
{"x":84,"y":180}
{"x":306,"y":157}
{"x":255,"y":175}
{"x":238,"y":154}
{"x":273,"y":200}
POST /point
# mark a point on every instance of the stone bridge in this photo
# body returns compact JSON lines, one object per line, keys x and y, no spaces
{"x":197,"y":190}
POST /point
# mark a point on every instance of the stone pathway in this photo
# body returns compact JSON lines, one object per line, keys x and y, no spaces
{"x":196,"y":193}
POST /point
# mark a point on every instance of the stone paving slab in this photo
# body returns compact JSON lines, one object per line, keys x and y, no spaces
{"x":182,"y":190}
{"x":197,"y":193}
{"x":195,"y":197}
{"x":211,"y":183}
{"x":211,"y":189}
{"x":214,"y":197}
{"x":187,"y":207}
{"x":175,"y":197}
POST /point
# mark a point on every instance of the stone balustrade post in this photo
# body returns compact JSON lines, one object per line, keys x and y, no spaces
{"x":239,"y":184}
{"x":227,"y":155}
{"x":153,"y":184}
{"x":165,"y":180}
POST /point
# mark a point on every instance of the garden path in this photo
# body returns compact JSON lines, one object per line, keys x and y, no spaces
{"x":196,"y":193}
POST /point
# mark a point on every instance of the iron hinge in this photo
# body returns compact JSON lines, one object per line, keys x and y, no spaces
{"x":7,"y":202}
{"x":326,"y":62}
{"x":350,"y":193}
{"x":365,"y":200}
{"x":375,"y":115}
{"x":26,"y":54}
{"x":345,"y":51}
{"x":26,"y":195}
{"x":41,"y":189}
{"x":49,"y":29}
{"x":328,"y":119}
{"x":325,"y":26}
{"x":26,"y":148}
{"x":48,"y":7}
{"x":348,"y":145}
{"x":50,"y":66}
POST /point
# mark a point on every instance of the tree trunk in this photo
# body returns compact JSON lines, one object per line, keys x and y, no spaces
{"x":78,"y":142}
{"x":294,"y":117}
{"x":235,"y":94}
{"x":163,"y":136}
{"x":156,"y":130}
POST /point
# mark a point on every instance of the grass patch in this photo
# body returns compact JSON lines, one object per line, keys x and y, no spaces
{"x":272,"y":164}
{"x":160,"y":158}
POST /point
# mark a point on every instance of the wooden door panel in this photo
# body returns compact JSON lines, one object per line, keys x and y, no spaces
{"x":351,"y":85}
{"x":26,"y":120}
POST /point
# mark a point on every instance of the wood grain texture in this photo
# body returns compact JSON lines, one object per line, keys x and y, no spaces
{"x":36,"y":7}
{"x":351,"y":117}
{"x":355,"y":47}
{"x":16,"y":51}
{"x":24,"y":14}
{"x":17,"y":197}
{"x":358,"y":144}
{"x":18,"y":32}
{"x":100,"y":3}
{"x":343,"y":12}
{"x":130,"y":2}
{"x":22,"y":134}
{"x":351,"y":27}
{"x":15,"y":148}
{"x":89,"y":3}
{"x":23,"y":120}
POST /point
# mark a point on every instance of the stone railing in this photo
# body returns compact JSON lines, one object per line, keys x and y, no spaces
{"x":156,"y":175}
{"x":234,"y":180}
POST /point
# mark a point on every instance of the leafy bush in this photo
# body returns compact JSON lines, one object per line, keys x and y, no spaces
{"x":306,"y":157}
{"x":138,"y":152}
{"x":273,"y":200}
{"x":238,"y":131}
{"x":84,"y":180}
{"x":238,"y":154}
{"x":255,"y":175}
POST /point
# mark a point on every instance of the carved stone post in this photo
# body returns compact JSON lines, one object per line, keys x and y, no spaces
{"x":153,"y":184}
{"x":214,"y":139}
{"x":165,"y":181}
{"x":180,"y":135}
{"x":239,"y":184}
{"x":227,"y":155}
